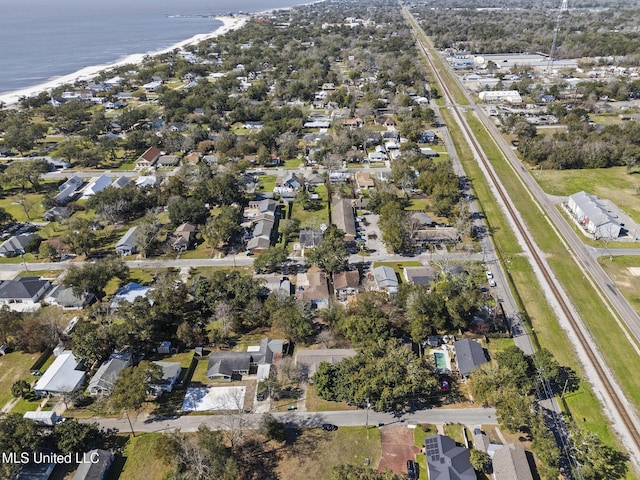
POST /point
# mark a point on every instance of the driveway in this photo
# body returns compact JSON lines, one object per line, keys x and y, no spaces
{"x":397,"y":448}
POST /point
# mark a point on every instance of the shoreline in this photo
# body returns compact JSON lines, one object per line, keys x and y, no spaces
{"x":87,"y":73}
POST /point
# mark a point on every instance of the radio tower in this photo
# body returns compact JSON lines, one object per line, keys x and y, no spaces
{"x":563,"y":8}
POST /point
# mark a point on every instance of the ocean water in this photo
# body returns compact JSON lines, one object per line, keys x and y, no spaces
{"x":44,"y":39}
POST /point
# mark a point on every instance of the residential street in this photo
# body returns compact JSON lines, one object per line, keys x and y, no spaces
{"x":190,"y":423}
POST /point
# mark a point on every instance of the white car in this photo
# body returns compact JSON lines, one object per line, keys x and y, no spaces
{"x":489,"y":274}
{"x":492,"y":282}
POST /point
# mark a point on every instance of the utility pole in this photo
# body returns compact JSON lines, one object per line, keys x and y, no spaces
{"x":563,"y":8}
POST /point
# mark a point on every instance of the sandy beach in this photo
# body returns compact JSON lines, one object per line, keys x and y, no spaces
{"x":228,"y":24}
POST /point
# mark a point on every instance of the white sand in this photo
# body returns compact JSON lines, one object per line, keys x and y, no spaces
{"x":229,"y":24}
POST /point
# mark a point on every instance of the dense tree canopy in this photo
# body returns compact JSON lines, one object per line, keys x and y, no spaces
{"x":386,"y":373}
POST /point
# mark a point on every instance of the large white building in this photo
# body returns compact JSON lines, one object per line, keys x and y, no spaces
{"x":593,"y":215}
{"x":500,"y":96}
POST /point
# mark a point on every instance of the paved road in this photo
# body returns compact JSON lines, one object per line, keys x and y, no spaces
{"x":190,"y":423}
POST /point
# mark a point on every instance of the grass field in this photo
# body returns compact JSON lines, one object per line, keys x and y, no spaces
{"x":316,"y":404}
{"x":582,"y":403}
{"x":609,"y":183}
{"x":311,"y":453}
{"x":141,"y":459}
{"x":13,"y":367}
{"x":625,"y":272}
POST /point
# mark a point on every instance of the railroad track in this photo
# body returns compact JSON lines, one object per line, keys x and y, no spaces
{"x":612,"y":391}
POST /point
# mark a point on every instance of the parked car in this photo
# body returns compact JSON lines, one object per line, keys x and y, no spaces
{"x":411,"y":469}
{"x":328,"y":427}
{"x":492,"y":282}
{"x":489,"y":275}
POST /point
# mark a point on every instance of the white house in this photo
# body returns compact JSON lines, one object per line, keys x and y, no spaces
{"x":127,"y":244}
{"x":63,"y":376}
{"x":593,"y":215}
{"x":24,"y":294}
{"x":386,"y":279}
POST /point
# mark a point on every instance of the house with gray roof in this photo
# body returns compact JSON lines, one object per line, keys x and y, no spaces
{"x":170,"y":374}
{"x":104,"y":380}
{"x":308,"y":360}
{"x":96,"y":465}
{"x":446,"y":460}
{"x":510,"y":462}
{"x":256,"y":360}
{"x":57,"y":214}
{"x":469,"y":355}
{"x":66,"y":299}
{"x":127,"y":244}
{"x":121,"y":182}
{"x":23,"y":294}
{"x":386,"y":279}
{"x":419,"y":275}
{"x":594,"y":216}
{"x":17,"y":244}
{"x":64,"y":375}
{"x":343,"y":217}
{"x":96,"y":185}
{"x":68,"y":190}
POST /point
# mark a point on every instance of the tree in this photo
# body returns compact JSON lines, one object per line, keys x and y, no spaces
{"x":270,"y":260}
{"x":72,"y":436}
{"x":5,"y":217}
{"x":90,"y":342}
{"x":188,"y":209}
{"x":27,"y":172}
{"x":596,"y":461}
{"x":147,"y":234}
{"x":387,"y":373}
{"x":358,"y":472}
{"x":93,"y":277}
{"x":20,"y":389}
{"x":132,"y":386}
{"x":47,"y":250}
{"x":221,"y":229}
{"x":199,"y":456}
{"x":295,"y":324}
{"x":23,"y":135}
{"x":271,"y":428}
{"x":81,"y":236}
{"x":17,"y":434}
{"x":479,"y":460}
{"x":331,"y":255}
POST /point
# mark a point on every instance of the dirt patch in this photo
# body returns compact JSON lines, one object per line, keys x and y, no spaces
{"x":397,"y":448}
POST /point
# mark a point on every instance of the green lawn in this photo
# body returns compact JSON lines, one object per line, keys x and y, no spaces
{"x":141,"y":459}
{"x":625,"y":272}
{"x":610,"y":183}
{"x":16,"y":205}
{"x":267,"y":182}
{"x":398,"y":266}
{"x":455,"y":431}
{"x":14,"y":366}
{"x":316,"y":404}
{"x":528,"y":293}
{"x":419,"y":433}
{"x":293,"y":163}
{"x":312,"y":218}
{"x":311,"y":453}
